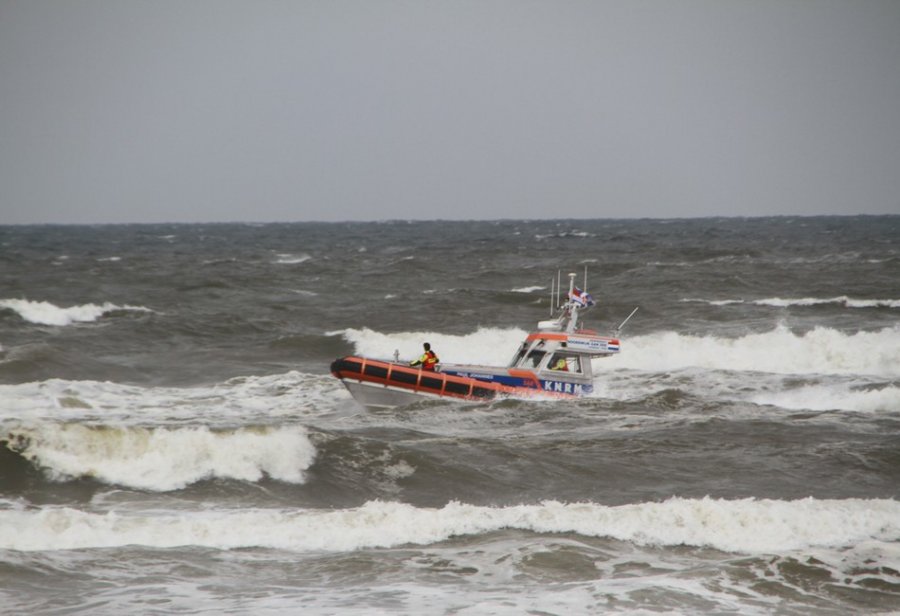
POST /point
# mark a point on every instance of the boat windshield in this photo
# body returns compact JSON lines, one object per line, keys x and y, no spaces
{"x":534,"y":359}
{"x":519,"y":355}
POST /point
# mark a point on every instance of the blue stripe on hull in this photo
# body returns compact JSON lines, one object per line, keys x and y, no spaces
{"x":503,"y":379}
{"x":561,"y":387}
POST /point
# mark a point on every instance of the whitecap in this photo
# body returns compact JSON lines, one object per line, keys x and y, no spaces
{"x":779,"y":302}
{"x":290,"y":259}
{"x":750,"y":526}
{"x":822,"y":350}
{"x":832,"y":397}
{"x":45,"y":313}
{"x":162,"y":458}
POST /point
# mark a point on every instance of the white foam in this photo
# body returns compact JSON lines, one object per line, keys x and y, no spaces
{"x":832,"y":397}
{"x":238,"y":401}
{"x":528,"y":289}
{"x":820,"y":351}
{"x":712,"y":302}
{"x":746,"y":526}
{"x":778,"y":302}
{"x":853,"y":393}
{"x":164,"y":458}
{"x":290,"y":259}
{"x":45,"y":313}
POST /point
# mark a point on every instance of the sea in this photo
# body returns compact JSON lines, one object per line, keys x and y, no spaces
{"x":171,"y":439}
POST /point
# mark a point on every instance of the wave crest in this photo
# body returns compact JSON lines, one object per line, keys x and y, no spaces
{"x":820,"y":351}
{"x":45,"y":313}
{"x":779,"y":302}
{"x":745,"y":526}
{"x":161,"y":459}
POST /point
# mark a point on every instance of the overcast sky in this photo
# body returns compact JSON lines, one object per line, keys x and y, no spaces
{"x":202,"y":110}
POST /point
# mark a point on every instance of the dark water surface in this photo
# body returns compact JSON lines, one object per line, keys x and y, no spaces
{"x":171,"y":440}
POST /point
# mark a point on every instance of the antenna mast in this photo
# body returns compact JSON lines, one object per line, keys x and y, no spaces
{"x":551,"y":295}
{"x":628,"y":318}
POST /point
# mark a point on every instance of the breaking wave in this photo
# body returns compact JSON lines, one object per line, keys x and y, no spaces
{"x":778,"y":302}
{"x":754,"y":526}
{"x":161,"y":458}
{"x":830,"y":397}
{"x":45,"y":313}
{"x":820,"y":351}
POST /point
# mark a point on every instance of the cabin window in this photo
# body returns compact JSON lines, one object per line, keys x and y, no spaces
{"x":534,"y":359}
{"x":565,"y":363}
{"x":519,"y":355}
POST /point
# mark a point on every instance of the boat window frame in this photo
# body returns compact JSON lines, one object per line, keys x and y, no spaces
{"x":524,"y":358}
{"x":573,"y":362}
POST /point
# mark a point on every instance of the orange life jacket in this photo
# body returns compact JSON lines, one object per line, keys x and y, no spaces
{"x":428,"y":360}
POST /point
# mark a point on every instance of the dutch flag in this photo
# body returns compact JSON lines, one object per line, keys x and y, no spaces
{"x":581,"y":298}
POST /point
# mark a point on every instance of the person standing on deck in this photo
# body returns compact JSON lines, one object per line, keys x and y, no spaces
{"x":428,"y":360}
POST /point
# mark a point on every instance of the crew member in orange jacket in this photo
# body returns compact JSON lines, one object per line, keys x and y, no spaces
{"x":428,"y":359}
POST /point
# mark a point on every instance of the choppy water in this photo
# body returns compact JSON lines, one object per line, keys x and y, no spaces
{"x":172,"y":441}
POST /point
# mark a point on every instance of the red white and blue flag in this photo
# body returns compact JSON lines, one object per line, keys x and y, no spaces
{"x":581,"y":298}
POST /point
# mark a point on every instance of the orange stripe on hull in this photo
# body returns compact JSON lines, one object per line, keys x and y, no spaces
{"x":445,"y":385}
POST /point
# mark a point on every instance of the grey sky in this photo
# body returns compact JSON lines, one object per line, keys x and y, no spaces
{"x":196,"y":110}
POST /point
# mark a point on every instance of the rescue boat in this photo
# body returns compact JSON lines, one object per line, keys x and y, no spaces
{"x":553,"y":361}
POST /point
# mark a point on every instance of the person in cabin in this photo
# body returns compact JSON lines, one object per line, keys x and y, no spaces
{"x":561,"y":365}
{"x":428,"y":360}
